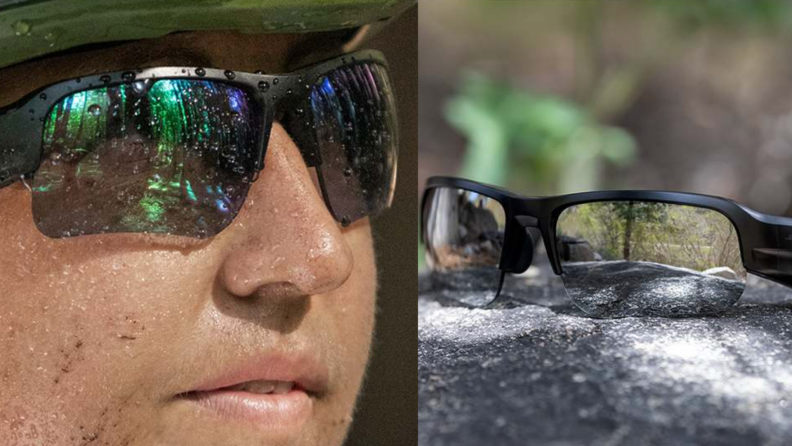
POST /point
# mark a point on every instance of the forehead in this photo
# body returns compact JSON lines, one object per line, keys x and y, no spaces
{"x":232,"y":50}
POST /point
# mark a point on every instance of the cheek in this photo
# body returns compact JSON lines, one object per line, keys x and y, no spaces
{"x":83,"y":322}
{"x":352,"y":307}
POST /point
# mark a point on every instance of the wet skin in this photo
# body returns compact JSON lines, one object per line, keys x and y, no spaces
{"x":100,"y":334}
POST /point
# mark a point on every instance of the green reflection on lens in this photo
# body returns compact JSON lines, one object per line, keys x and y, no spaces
{"x":190,"y":192}
{"x":118,"y":159}
{"x":153,"y":207}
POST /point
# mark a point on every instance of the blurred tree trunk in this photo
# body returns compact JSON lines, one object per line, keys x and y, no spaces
{"x":628,"y":229}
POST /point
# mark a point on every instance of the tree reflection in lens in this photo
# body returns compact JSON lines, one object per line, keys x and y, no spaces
{"x":627,"y":258}
{"x":464,"y":237}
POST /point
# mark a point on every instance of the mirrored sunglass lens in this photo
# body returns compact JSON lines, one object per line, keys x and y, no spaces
{"x":171,"y":156}
{"x":628,"y":258}
{"x":463,"y":233}
{"x":354,"y":116}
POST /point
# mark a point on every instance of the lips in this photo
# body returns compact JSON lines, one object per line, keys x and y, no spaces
{"x":274,"y":392}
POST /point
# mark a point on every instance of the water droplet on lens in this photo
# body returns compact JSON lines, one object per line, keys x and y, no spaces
{"x":289,"y":91}
{"x":348,"y":172}
{"x":200,"y":72}
{"x":275,"y":81}
{"x":105,"y":79}
{"x":21,"y":28}
{"x":229,"y":74}
{"x":263,"y":85}
{"x":95,"y":110}
{"x":78,"y":80}
{"x":128,"y":76}
{"x":261,"y":72}
{"x":141,"y":87}
{"x":345,"y":221}
{"x":183,"y":70}
{"x":43,"y":95}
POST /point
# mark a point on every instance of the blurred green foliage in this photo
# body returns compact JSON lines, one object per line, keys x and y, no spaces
{"x":546,"y":144}
{"x":763,"y":14}
{"x":556,"y":143}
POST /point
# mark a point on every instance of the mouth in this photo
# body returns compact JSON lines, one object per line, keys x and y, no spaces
{"x":270,"y":392}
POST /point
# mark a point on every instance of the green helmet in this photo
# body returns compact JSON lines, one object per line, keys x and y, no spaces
{"x":32,"y":28}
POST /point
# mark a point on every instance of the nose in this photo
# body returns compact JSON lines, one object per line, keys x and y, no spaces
{"x":284,"y":241}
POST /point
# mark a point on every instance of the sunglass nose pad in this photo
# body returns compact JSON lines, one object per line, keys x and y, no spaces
{"x":531,"y":235}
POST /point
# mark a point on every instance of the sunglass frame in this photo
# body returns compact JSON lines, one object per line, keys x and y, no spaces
{"x":765,"y":240}
{"x":22,"y":123}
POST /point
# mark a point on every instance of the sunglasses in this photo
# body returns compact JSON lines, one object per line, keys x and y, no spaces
{"x":619,"y":253}
{"x":175,"y":149}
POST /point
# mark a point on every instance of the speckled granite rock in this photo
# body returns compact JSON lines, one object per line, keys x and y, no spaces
{"x":536,"y":371}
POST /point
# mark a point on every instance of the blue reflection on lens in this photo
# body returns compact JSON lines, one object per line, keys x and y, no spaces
{"x":327,"y":87}
{"x":233,"y":102}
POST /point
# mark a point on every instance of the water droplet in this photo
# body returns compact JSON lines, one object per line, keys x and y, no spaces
{"x":289,"y":91}
{"x":105,"y":79}
{"x":261,"y":72}
{"x":348,"y":172}
{"x":263,"y":85}
{"x":200,"y":72}
{"x":95,"y":110}
{"x":43,"y":96}
{"x":128,"y":76}
{"x":141,"y":87}
{"x":22,"y":28}
{"x":229,"y":74}
{"x":78,"y":80}
{"x":275,"y":81}
{"x":55,"y":158}
{"x":345,"y":221}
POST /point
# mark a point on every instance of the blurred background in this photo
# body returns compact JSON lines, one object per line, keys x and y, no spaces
{"x":549,"y":97}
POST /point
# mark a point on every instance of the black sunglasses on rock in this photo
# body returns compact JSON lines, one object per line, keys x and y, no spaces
{"x":175,"y":149}
{"x":619,"y":253}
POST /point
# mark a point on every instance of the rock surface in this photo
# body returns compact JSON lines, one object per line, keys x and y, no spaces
{"x":622,"y":288}
{"x":534,"y":370}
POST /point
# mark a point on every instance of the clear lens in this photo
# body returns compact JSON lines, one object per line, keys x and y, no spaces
{"x":171,"y":156}
{"x":354,"y":117}
{"x":626,"y":258}
{"x":463,"y":233}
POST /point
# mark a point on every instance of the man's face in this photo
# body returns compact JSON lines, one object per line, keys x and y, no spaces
{"x":102,"y":336}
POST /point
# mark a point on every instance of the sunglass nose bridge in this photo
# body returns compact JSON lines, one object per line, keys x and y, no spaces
{"x":529,"y":235}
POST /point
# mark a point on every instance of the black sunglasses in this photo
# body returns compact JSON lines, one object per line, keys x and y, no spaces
{"x":175,"y":149}
{"x":619,"y":253}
